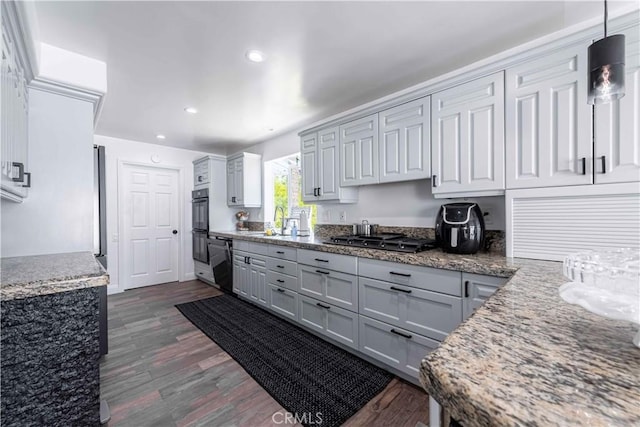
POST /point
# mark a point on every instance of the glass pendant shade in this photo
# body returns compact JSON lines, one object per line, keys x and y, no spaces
{"x":606,"y":70}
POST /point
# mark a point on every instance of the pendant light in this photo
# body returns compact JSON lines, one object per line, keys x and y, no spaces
{"x":606,"y":67}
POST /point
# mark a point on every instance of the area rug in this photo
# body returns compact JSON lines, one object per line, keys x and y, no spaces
{"x":317,"y":382}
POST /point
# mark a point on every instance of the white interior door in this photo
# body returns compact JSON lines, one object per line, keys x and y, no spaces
{"x":149,"y":215}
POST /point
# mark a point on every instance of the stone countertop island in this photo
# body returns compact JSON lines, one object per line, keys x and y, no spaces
{"x":528,"y":358}
{"x":51,"y":307}
{"x":27,"y":276}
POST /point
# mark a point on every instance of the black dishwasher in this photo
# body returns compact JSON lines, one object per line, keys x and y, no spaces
{"x":221,"y":261}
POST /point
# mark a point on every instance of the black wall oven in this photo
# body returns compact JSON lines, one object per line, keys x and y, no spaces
{"x":200,"y":223}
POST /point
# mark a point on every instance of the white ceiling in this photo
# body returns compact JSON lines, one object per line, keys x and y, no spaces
{"x":323,"y":57}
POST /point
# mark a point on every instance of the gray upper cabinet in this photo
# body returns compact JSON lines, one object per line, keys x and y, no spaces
{"x":320,"y":152}
{"x":359,"y":163}
{"x":244,"y":180}
{"x":468,"y":138}
{"x":478,"y":289}
{"x":548,"y":121}
{"x":405,"y":141}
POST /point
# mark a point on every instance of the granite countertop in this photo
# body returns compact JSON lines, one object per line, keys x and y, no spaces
{"x":525,"y":357}
{"x":528,"y":358}
{"x":23,"y":277}
{"x":481,"y":263}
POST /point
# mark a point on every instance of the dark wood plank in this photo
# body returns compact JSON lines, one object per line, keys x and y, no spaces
{"x":163,"y":371}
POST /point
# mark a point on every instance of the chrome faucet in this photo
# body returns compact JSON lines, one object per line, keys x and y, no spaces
{"x":275,"y":216}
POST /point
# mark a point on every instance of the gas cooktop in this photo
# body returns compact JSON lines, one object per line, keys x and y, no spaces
{"x":388,"y":242}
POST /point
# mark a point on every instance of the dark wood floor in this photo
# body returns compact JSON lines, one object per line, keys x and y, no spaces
{"x":162,"y":371}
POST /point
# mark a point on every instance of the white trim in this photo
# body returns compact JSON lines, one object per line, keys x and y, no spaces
{"x":570,"y":36}
{"x":181,"y":220}
{"x":210,"y":157}
{"x":76,"y":92}
{"x":435,"y":413}
{"x":15,"y":18}
{"x":189,"y":276}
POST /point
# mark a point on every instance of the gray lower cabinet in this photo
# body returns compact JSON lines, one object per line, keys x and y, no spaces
{"x":334,"y":322}
{"x":240,"y":274}
{"x":478,"y":289}
{"x":258,"y":279}
{"x":282,"y":301}
{"x":282,"y":280}
{"x":393,"y":346}
{"x":427,"y":313}
{"x":330,"y":286}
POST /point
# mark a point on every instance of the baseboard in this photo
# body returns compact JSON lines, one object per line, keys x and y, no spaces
{"x":188,"y":276}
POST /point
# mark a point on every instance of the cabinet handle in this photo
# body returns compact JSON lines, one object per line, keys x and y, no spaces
{"x":321,"y":260}
{"x":20,"y":167}
{"x":28,"y":184}
{"x":584,"y":165}
{"x":280,"y":252}
{"x":280,"y":266}
{"x":280,"y":290}
{"x":233,"y":199}
{"x":406,"y":291}
{"x":466,"y":289}
{"x":399,"y":274}
{"x":247,"y":260}
{"x":434,"y":179}
{"x":315,"y":191}
{"x":319,"y":304}
{"x":199,"y":178}
{"x":319,"y":192}
{"x":408,"y":336}
{"x":279,"y":280}
{"x":603,"y":161}
{"x":323,"y":272}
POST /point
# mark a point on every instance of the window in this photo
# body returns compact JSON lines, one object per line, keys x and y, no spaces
{"x":283,"y":182}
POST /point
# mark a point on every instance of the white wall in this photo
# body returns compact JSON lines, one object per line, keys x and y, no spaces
{"x":117,"y":150}
{"x":57,"y":215}
{"x":406,"y":204}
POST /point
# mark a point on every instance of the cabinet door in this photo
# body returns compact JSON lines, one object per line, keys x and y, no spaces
{"x":282,"y":301}
{"x":617,"y":131}
{"x":468,"y":137}
{"x":427,"y":313}
{"x":231,"y":183}
{"x":14,"y":124}
{"x":393,"y":346}
{"x":478,"y":289}
{"x":405,"y":141}
{"x":239,"y":181}
{"x":330,"y":286}
{"x":549,"y":121}
{"x":241,"y":277}
{"x":258,"y":280}
{"x":328,"y":162}
{"x":309,"y":155}
{"x":359,"y":152}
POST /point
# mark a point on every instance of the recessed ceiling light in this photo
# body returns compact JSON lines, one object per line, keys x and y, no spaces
{"x":270,"y":129}
{"x":191,"y":110}
{"x":161,"y":136}
{"x":255,"y":56}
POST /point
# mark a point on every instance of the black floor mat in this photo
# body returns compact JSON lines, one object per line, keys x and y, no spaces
{"x":319,"y":383}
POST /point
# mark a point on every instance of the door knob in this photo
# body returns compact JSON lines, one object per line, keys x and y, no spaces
{"x":175,"y":231}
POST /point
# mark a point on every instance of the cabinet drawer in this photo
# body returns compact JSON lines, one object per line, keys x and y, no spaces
{"x":259,"y":248}
{"x":258,"y":261}
{"x":203,"y":270}
{"x":329,"y":286}
{"x":331,"y":321}
{"x":240,"y":245}
{"x":424,"y":312}
{"x":281,"y":266}
{"x":282,"y":280}
{"x":283,"y":252}
{"x":282,"y":301}
{"x":429,"y":279}
{"x":398,"y":348}
{"x":344,"y":263}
